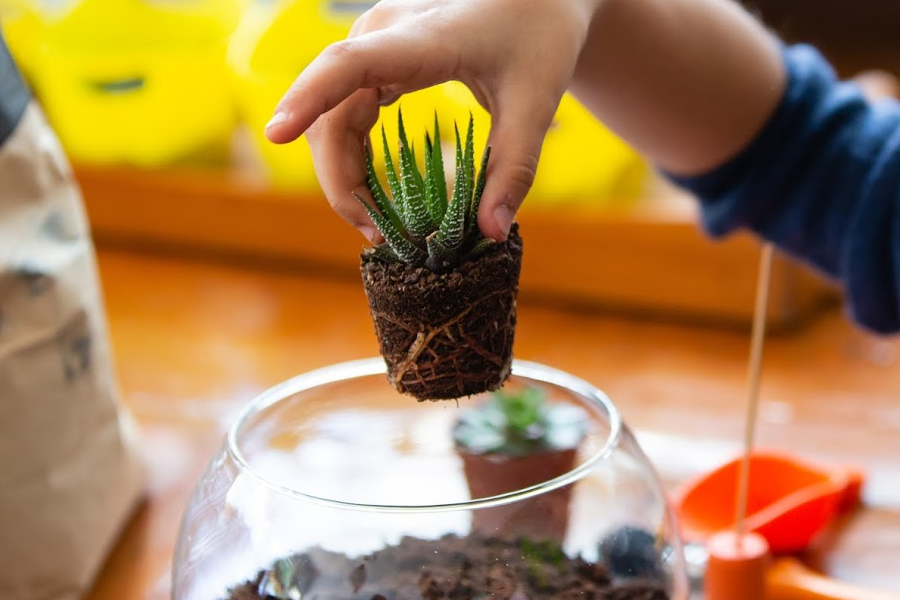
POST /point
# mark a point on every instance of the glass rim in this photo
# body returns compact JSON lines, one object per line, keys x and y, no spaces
{"x":374,"y":366}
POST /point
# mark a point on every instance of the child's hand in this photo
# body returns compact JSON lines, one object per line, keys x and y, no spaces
{"x":517,"y":57}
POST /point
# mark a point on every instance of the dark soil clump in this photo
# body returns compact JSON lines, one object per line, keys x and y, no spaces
{"x":446,"y":335}
{"x":451,"y":568}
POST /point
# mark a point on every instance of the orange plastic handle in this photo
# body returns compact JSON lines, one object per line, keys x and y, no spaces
{"x":789,"y":579}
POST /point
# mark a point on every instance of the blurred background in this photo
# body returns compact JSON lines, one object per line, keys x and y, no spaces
{"x":156,"y":83}
{"x":161,"y":105}
{"x":225,"y":271}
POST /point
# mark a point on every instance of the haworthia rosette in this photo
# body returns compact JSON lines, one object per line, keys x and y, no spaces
{"x":420,"y":225}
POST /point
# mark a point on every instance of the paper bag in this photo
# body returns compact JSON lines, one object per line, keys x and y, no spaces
{"x":70,"y":474}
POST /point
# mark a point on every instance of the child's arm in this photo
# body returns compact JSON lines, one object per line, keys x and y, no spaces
{"x":765,"y":136}
{"x":821,"y":180}
{"x":688,"y":82}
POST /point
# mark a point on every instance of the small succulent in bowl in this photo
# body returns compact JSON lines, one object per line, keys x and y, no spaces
{"x":514,"y":440}
{"x":518,"y":423}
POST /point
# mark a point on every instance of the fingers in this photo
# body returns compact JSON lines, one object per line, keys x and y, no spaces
{"x":387,"y":59}
{"x":517,"y":134}
{"x":393,"y":51}
{"x":336,"y":141}
{"x":877,"y":84}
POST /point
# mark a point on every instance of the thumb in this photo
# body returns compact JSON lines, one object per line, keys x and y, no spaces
{"x":517,"y":134}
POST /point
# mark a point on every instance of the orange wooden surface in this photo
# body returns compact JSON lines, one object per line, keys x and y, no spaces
{"x":196,"y":339}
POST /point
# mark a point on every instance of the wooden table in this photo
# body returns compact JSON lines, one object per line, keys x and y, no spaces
{"x":197,"y":339}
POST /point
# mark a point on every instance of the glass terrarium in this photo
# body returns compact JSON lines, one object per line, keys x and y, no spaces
{"x":334,"y":486}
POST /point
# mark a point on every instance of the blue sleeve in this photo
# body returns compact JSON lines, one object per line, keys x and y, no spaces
{"x":821,"y":181}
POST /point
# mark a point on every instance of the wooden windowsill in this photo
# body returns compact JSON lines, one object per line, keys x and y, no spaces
{"x":651,"y":259}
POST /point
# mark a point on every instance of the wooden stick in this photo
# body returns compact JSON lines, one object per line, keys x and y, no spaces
{"x":753,"y":375}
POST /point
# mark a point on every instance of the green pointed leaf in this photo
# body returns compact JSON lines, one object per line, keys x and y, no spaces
{"x":469,"y":156}
{"x":393,"y":181}
{"x":481,"y":247}
{"x":438,"y":198}
{"x":384,"y":252}
{"x":452,"y":226}
{"x":435,"y":208}
{"x":438,"y":160}
{"x":384,"y":205}
{"x":459,"y":157}
{"x":469,"y":167}
{"x":411,"y":154}
{"x":417,"y":218}
{"x":472,"y":218}
{"x":407,"y":251}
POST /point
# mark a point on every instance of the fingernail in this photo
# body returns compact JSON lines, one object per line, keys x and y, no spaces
{"x":369,"y":232}
{"x":277,"y":119}
{"x":504,"y":218}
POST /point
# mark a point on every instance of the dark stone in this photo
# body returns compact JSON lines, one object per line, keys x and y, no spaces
{"x":631,"y":552}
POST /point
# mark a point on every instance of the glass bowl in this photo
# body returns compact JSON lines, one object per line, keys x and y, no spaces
{"x":333,"y":486}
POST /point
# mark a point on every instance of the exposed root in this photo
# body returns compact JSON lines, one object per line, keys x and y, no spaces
{"x":423,"y":338}
{"x":447,"y":335}
{"x":432,"y":347}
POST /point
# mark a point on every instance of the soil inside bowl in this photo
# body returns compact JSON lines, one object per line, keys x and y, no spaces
{"x":450,"y":568}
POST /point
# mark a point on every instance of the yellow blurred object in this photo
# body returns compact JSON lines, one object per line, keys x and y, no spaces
{"x":581,"y":160}
{"x":20,"y":25}
{"x":275,"y":41}
{"x":585,"y":162}
{"x":141,"y":82}
{"x":452,"y":104}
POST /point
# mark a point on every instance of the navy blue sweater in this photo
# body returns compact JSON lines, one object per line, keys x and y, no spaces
{"x":822,"y":181}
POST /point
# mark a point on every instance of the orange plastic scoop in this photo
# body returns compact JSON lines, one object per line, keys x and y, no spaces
{"x":789,"y":579}
{"x":789,"y":501}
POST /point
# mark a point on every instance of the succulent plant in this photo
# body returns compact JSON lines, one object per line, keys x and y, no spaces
{"x":421,"y":225}
{"x":518,"y":423}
